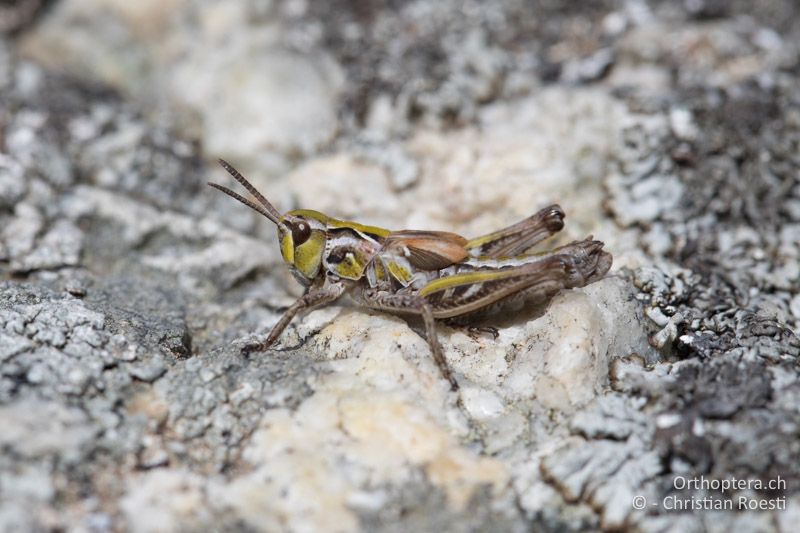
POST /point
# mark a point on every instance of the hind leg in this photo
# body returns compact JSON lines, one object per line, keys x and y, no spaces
{"x":520,"y":237}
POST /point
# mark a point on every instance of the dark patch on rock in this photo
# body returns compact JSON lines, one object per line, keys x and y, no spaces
{"x":152,"y":314}
{"x":18,"y":15}
{"x":419,"y":506}
{"x":721,"y":387}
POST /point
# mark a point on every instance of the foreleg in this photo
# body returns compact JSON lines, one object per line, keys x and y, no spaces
{"x":313,"y":298}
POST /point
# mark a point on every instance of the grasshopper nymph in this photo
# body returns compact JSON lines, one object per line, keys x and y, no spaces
{"x":432,"y":274}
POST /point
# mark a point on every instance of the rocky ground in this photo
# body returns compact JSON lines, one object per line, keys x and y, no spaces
{"x":669,"y":130}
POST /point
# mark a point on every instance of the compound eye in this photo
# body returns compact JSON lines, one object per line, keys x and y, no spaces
{"x":300,"y":233}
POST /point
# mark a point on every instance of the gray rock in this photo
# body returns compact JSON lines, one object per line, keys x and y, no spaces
{"x":148,"y":371}
{"x":127,"y":287}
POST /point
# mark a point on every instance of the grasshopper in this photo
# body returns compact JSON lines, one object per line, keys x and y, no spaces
{"x":434,"y":275}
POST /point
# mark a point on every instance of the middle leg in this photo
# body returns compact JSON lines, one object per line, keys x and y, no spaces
{"x":416,"y":305}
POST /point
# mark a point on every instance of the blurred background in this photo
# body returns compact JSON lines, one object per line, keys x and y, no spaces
{"x":668,"y":129}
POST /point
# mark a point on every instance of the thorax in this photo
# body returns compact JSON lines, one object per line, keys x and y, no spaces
{"x":348,"y":252}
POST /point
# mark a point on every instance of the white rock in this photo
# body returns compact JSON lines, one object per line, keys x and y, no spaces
{"x":561,"y":358}
{"x":258,"y":102}
{"x":310,"y":463}
{"x":33,"y":428}
{"x":794,"y":306}
{"x":146,"y":510}
{"x":482,"y":404}
{"x":384,"y":410}
{"x":682,"y":123}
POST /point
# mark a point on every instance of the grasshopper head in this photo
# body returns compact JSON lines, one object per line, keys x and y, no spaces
{"x":301,"y":233}
{"x":302,"y":236}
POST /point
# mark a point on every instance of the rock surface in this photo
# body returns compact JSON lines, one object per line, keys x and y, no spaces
{"x":669,"y":131}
